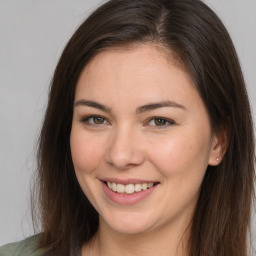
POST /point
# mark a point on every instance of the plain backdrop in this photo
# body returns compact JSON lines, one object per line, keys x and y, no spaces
{"x":32,"y":36}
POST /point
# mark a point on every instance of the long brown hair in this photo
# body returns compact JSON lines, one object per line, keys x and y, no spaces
{"x":198,"y":38}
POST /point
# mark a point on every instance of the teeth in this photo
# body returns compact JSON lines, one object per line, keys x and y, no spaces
{"x":137,"y":187}
{"x":109,"y":184}
{"x":120,"y":188}
{"x":144,"y":186}
{"x":150,"y":185}
{"x":114,"y":187}
{"x":130,"y":188}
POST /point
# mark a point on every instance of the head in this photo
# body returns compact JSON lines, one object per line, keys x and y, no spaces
{"x":192,"y":39}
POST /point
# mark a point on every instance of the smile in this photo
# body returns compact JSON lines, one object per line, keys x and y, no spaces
{"x":129,"y":188}
{"x":128,"y":192}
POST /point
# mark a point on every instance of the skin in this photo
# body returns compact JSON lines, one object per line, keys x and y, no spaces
{"x":126,"y":144}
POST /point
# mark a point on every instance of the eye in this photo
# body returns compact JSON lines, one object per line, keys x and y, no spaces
{"x":94,"y":120}
{"x":160,"y":122}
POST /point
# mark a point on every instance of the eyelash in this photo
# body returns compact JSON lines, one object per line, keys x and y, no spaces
{"x":86,"y":119}
{"x":167,"y":122}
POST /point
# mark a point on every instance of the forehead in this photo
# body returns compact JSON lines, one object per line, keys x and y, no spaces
{"x":137,"y":74}
{"x":139,"y":50}
{"x":139,"y":57}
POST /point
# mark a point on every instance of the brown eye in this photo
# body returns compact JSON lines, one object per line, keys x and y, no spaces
{"x":94,"y":120}
{"x":98,"y":120}
{"x":160,"y":122}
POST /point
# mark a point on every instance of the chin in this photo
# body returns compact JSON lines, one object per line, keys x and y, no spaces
{"x":130,"y":228}
{"x":125,"y":223}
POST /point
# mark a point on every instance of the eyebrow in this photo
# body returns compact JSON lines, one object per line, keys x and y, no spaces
{"x":139,"y":110}
{"x":162,"y":104}
{"x":92,"y":104}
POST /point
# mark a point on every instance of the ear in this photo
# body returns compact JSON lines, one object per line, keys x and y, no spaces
{"x":219,"y":145}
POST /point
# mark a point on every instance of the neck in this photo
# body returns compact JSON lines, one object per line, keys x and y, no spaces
{"x":165,"y":241}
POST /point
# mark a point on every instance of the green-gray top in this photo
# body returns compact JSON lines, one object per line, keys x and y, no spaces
{"x":27,"y":247}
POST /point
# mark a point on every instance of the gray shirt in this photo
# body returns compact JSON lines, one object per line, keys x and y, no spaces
{"x":27,"y":247}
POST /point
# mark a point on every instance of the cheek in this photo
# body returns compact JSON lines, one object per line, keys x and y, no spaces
{"x":181,"y":153}
{"x":86,"y":152}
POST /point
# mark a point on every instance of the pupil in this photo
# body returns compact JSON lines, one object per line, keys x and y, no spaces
{"x":160,"y":122}
{"x":98,"y":120}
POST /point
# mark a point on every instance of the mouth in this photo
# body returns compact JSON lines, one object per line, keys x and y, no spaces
{"x":131,"y":188}
{"x":129,"y":191}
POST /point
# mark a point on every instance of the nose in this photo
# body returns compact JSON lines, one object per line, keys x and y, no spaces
{"x":125,"y":149}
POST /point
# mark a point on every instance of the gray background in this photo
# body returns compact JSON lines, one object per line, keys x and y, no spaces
{"x":32,"y":36}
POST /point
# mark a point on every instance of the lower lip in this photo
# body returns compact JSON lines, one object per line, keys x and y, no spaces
{"x":127,"y":199}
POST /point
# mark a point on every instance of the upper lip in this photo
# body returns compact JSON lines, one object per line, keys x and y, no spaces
{"x":128,"y":181}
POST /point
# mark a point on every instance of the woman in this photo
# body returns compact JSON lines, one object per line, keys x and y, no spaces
{"x":147,"y":145}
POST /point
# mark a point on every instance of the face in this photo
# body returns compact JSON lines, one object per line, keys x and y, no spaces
{"x":141,"y":139}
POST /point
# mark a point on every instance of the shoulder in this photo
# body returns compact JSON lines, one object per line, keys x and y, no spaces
{"x":27,"y":247}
